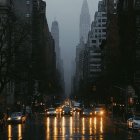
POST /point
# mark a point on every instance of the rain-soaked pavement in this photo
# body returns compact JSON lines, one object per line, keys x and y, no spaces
{"x":68,"y":128}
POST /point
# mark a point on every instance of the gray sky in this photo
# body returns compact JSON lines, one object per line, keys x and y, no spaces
{"x":67,"y":13}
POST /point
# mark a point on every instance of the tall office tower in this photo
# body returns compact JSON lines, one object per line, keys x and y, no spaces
{"x":59,"y":61}
{"x":55,"y":34}
{"x":84,"y":22}
{"x":95,"y":38}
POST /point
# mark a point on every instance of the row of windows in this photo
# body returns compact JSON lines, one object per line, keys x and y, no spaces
{"x":99,"y":30}
{"x":95,"y":67}
{"x":99,"y":36}
{"x":102,"y":20}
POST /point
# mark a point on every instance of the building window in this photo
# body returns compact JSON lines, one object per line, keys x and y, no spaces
{"x":100,"y":40}
{"x":93,"y":41}
{"x":103,"y":25}
{"x":99,"y":35}
{"x":103,"y":20}
{"x":104,"y":15}
{"x":103,"y":30}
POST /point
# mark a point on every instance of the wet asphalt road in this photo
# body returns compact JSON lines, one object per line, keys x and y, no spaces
{"x":68,"y":128}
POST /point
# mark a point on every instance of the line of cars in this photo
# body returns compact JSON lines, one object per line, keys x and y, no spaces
{"x":62,"y":111}
{"x":98,"y":111}
{"x":67,"y":110}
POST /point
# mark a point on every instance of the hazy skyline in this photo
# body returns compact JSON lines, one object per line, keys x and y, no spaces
{"x":67,"y":13}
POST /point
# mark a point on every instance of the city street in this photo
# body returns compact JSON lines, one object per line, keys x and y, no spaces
{"x":68,"y":128}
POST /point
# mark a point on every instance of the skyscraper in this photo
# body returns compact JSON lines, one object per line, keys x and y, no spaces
{"x":84,"y":22}
{"x":55,"y":34}
{"x":59,"y":61}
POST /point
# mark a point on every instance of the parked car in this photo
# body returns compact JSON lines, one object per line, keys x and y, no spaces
{"x":16,"y":117}
{"x":86,"y":112}
{"x":67,"y":111}
{"x":51,"y":112}
{"x":134,"y":123}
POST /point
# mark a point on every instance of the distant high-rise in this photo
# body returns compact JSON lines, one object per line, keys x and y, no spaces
{"x":59,"y":61}
{"x":84,"y":21}
{"x":55,"y":34}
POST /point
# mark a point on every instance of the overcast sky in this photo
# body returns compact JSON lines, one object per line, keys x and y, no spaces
{"x":67,"y":13}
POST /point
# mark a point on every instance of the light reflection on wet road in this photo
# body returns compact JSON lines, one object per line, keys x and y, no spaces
{"x":68,"y":128}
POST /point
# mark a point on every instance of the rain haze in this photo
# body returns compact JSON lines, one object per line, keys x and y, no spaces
{"x":67,"y":13}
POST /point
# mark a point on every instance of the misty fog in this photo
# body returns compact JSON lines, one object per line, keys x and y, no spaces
{"x":67,"y":13}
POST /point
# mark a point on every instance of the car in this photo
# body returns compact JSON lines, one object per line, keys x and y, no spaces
{"x":67,"y":111}
{"x":59,"y":110}
{"x":86,"y":112}
{"x":51,"y":112}
{"x":16,"y":117}
{"x":133,"y":123}
{"x":76,"y":109}
{"x":98,"y":111}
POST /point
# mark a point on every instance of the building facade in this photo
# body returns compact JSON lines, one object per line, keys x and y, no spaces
{"x":7,"y":86}
{"x":59,"y":61}
{"x":95,"y":38}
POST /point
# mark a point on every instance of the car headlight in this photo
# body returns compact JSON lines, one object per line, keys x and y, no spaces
{"x":101,"y":112}
{"x":19,"y":118}
{"x":9,"y":119}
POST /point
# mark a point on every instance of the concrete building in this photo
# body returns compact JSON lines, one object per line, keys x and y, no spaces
{"x":88,"y":54}
{"x":6,"y":82}
{"x":55,"y":35}
{"x":95,"y":38}
{"x":59,"y":61}
{"x":34,"y":62}
{"x":84,"y":26}
{"x":137,"y":44}
{"x":23,"y":12}
{"x":23,"y":9}
{"x":79,"y":62}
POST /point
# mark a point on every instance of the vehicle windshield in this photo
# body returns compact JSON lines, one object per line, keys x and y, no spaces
{"x":86,"y":110}
{"x":66,"y":108}
{"x":16,"y":114}
{"x":137,"y":118}
{"x":98,"y":109}
{"x":51,"y":109}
